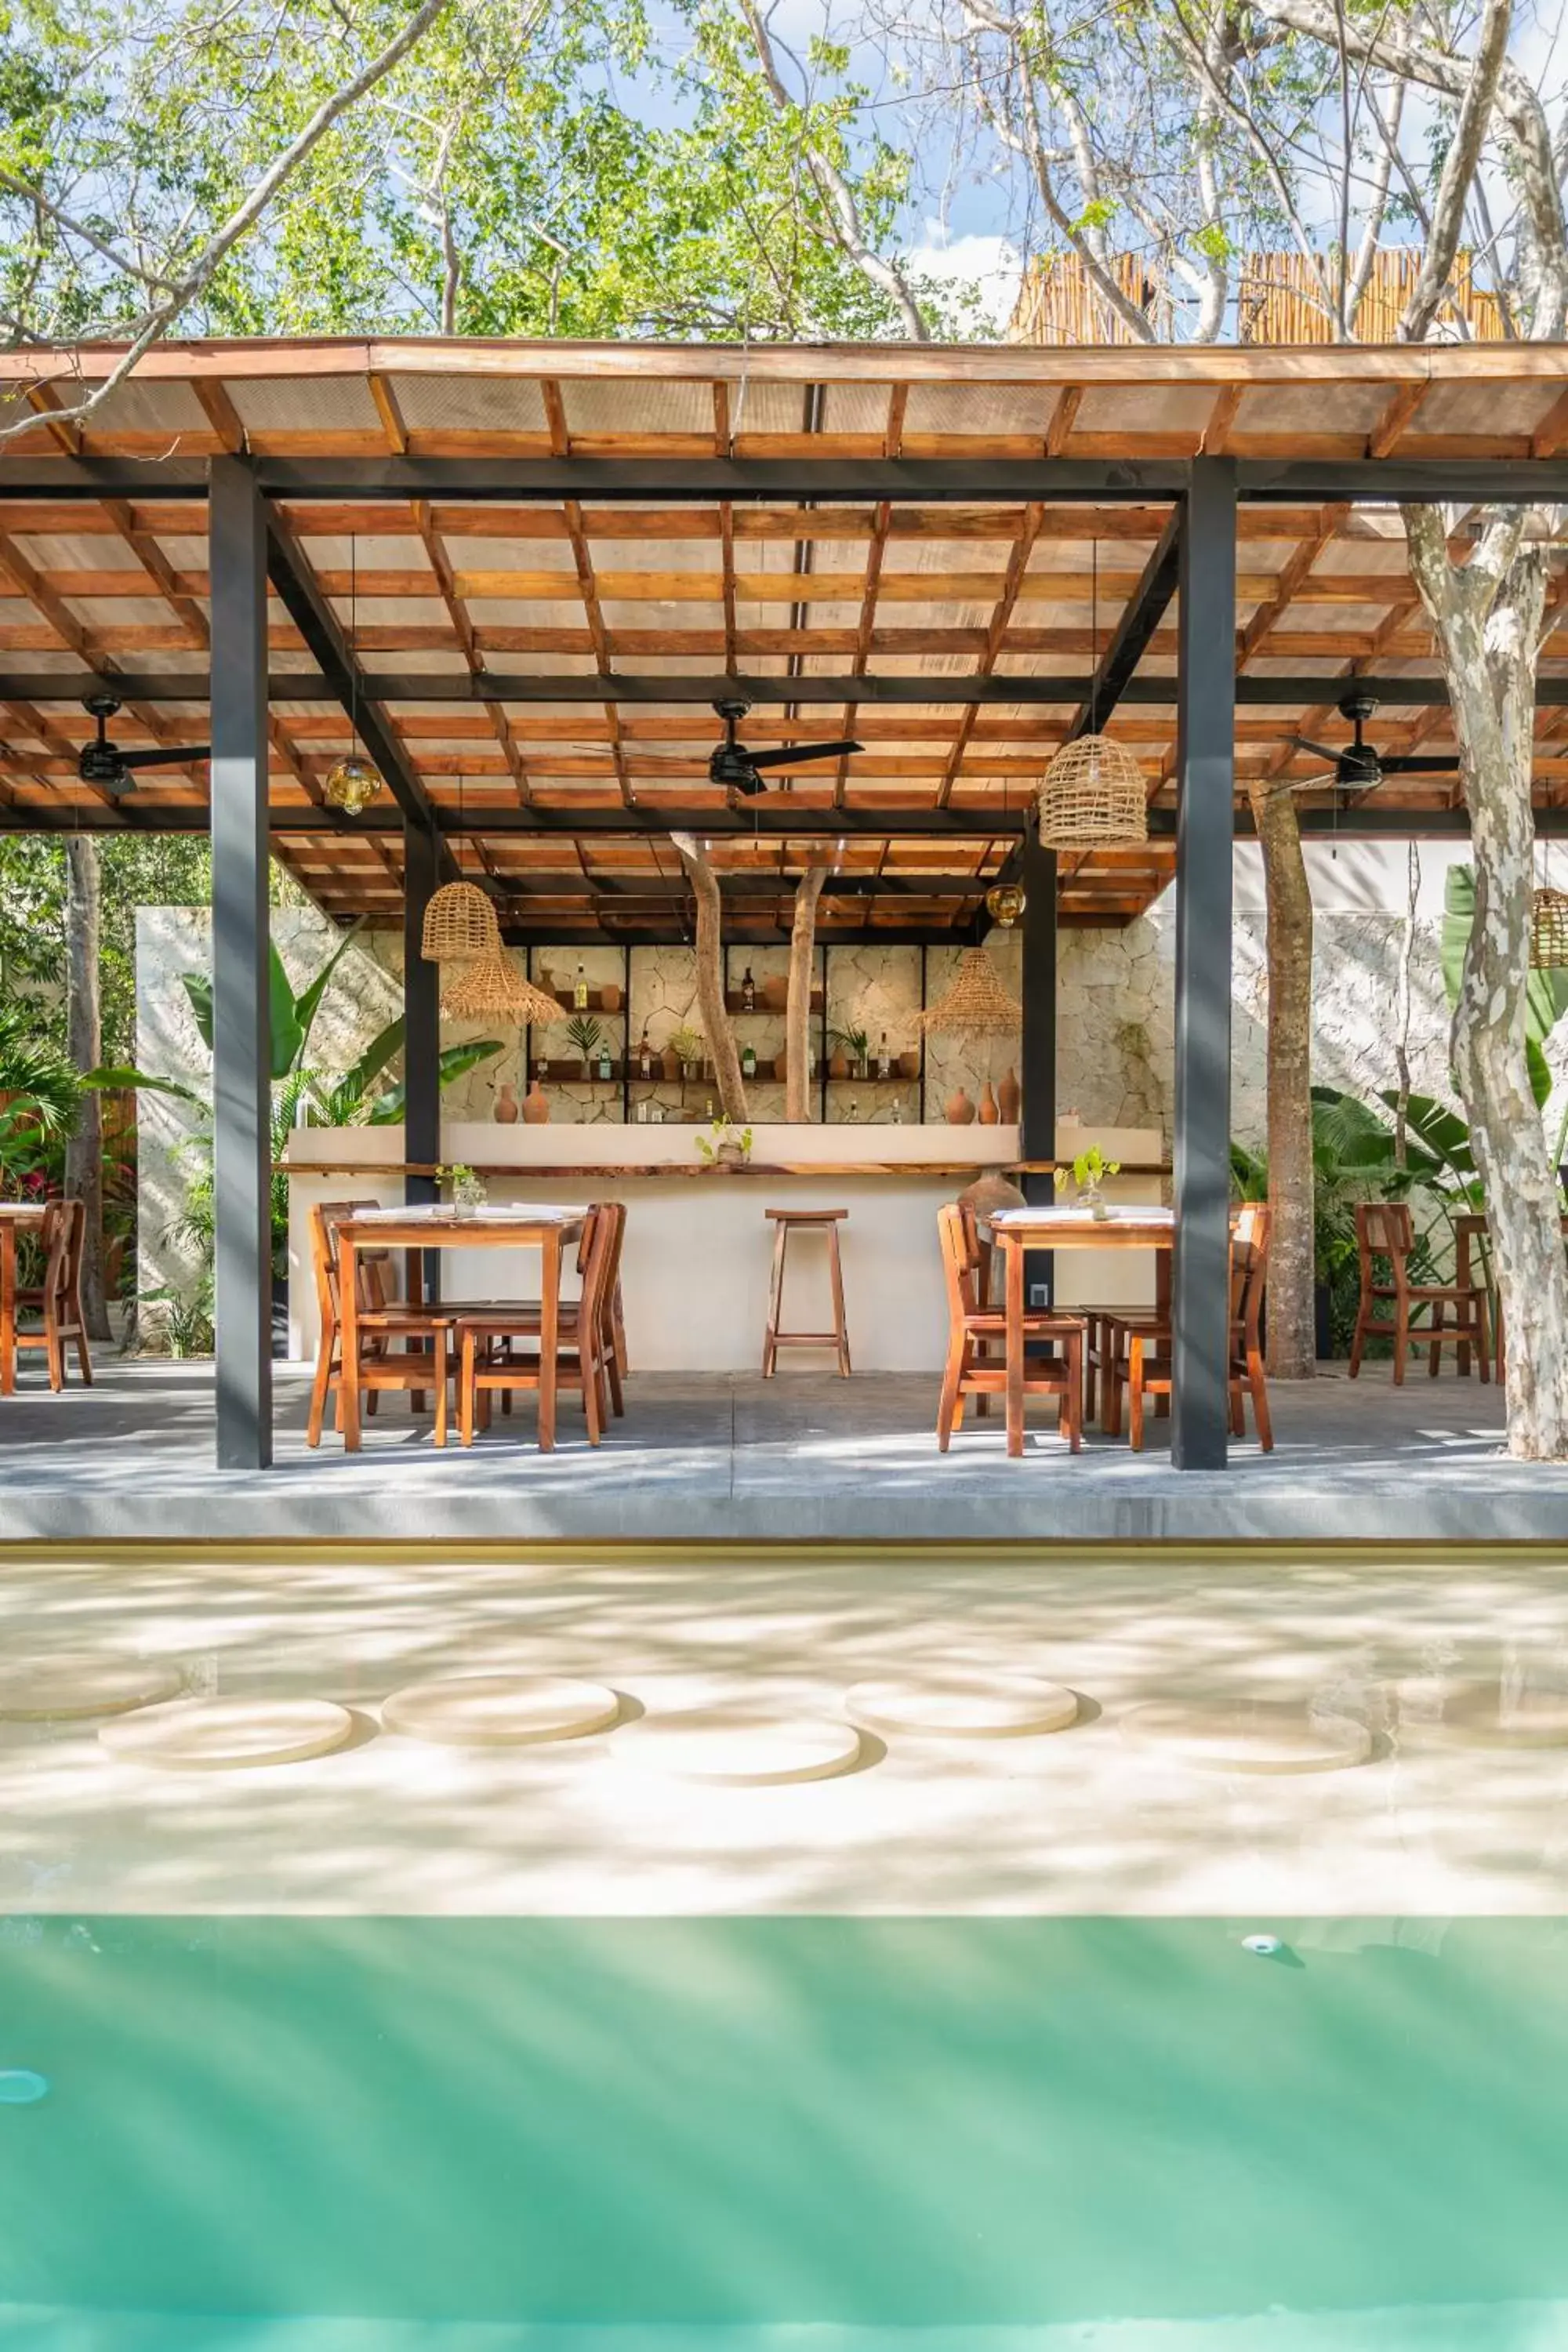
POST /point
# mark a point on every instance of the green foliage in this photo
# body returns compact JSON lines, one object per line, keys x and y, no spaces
{"x":1546,"y":992}
{"x":135,"y":870}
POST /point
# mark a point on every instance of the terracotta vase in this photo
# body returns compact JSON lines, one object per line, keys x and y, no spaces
{"x":610,"y":997}
{"x":989,"y":1114}
{"x":536,"y":1106}
{"x":505,"y":1110}
{"x":839,"y":1067}
{"x":1010,"y":1098}
{"x":909,"y":1066}
{"x":669,"y":1062}
{"x":775,"y":991}
{"x":960,"y":1110}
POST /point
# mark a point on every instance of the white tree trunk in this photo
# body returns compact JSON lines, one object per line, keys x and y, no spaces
{"x":1487,"y":618}
{"x":84,"y":1043}
{"x":797,"y":1014}
{"x":711,"y":979}
{"x":1293,"y":1257}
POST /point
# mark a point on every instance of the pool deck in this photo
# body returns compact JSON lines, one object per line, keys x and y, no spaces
{"x":1083,"y":1822}
{"x":805,"y":1457}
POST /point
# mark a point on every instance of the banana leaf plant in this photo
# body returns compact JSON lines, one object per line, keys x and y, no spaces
{"x":1545,"y":997}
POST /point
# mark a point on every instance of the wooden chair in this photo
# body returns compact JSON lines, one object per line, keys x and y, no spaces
{"x":1386,"y":1229}
{"x":1140,"y":1363}
{"x":974,"y":1329}
{"x":522,"y":1316}
{"x":499,"y":1346}
{"x":786,"y":1222}
{"x":57,"y":1300}
{"x":401,"y":1346}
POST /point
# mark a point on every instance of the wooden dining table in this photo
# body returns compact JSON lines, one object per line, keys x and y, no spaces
{"x":15,"y":1217}
{"x":440,"y":1226}
{"x":1017,"y":1230}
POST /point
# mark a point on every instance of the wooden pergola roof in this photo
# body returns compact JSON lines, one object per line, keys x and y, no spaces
{"x":529,"y":566}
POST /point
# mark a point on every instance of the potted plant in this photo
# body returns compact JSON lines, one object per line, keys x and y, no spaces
{"x":587,"y":1034}
{"x":725,"y":1145}
{"x":686,"y":1043}
{"x":468,"y":1190}
{"x":849,"y":1050}
{"x":1089,"y":1171}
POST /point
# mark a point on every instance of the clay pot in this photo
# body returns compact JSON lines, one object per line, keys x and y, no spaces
{"x":536,"y":1106}
{"x":839,"y":1067}
{"x":776,"y":992}
{"x":669,"y":1063}
{"x":960,"y":1110}
{"x":989,"y":1114}
{"x":990,"y":1192}
{"x":909,"y":1066}
{"x":1010,"y":1098}
{"x":505,"y":1110}
{"x":610,"y":997}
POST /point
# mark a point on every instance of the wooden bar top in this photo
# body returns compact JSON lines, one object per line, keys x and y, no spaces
{"x":573,"y":1171}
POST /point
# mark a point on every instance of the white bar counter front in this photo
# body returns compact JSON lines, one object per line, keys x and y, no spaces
{"x":699,"y":1249}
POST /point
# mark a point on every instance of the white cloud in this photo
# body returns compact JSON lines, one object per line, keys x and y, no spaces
{"x":986,"y":267}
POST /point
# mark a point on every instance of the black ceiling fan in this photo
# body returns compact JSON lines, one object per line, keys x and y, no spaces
{"x":1359,"y":766}
{"x":739,"y":770}
{"x":103,"y":763}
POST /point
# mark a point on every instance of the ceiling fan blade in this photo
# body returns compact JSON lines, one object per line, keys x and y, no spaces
{"x":1319,"y":751}
{"x":177,"y":758}
{"x":788,"y":754}
{"x":1393,"y":764}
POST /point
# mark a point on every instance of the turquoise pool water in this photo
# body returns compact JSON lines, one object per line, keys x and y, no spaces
{"x":807,"y":2134}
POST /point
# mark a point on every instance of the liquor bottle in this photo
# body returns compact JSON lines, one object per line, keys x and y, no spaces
{"x":710,"y":1110}
{"x":645,"y":1058}
{"x":605,"y":1063}
{"x":580,"y":993}
{"x":884,"y":1059}
{"x":897,"y":1110}
{"x":748,"y":1060}
{"x":748,"y":992}
{"x":854,"y":1112}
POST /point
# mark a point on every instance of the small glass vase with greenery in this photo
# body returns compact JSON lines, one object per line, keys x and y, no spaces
{"x":1089,"y":1172}
{"x":688,"y":1045}
{"x":725,"y":1145}
{"x":466,"y":1189}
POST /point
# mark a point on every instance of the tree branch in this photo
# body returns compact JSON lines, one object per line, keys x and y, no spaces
{"x":1458,"y":170}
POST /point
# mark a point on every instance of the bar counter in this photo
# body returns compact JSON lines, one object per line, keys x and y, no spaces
{"x":699,"y":1249}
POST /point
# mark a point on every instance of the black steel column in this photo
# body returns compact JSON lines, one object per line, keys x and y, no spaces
{"x":1205,"y":832}
{"x":242,"y":1094}
{"x":1037,"y":1043}
{"x":421,"y":1013}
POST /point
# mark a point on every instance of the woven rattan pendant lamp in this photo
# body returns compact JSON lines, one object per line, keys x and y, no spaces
{"x":460,"y":924}
{"x":1093,"y":795}
{"x":1548,"y":930}
{"x":975,"y":1003}
{"x":492,"y":988}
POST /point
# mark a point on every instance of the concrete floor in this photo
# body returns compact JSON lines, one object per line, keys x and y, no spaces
{"x":804,"y":1457}
{"x":1080,"y":1822}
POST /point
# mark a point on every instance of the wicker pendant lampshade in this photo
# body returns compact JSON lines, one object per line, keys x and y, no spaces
{"x":460,"y":925}
{"x":976,"y":1005}
{"x":1548,"y":930}
{"x":491,"y":987}
{"x":1093,"y":796}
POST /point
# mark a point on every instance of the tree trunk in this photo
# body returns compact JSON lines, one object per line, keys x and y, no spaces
{"x":1486,"y":618}
{"x":797,"y":1014}
{"x":1293,"y":1257}
{"x":711,"y":979}
{"x":84,"y":1043}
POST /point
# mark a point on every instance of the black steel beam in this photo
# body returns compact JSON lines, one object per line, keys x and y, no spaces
{"x":329,"y":650}
{"x":1142,"y":615}
{"x":104,"y":478}
{"x":1200,"y":1273}
{"x":748,"y":934}
{"x":1422,"y":481}
{"x":1365,"y":821}
{"x":817,"y":481}
{"x":242,"y":1142}
{"x":459,"y":686}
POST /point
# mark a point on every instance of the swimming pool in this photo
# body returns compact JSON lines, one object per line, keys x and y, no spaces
{"x":463,"y":2136}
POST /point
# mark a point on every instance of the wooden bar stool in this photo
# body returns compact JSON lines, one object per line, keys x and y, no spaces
{"x":785,"y":1221}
